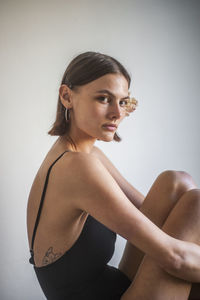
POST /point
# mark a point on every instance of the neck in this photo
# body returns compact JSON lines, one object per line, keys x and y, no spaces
{"x":82,"y":144}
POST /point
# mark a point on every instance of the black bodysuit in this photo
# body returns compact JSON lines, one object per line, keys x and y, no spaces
{"x":82,"y":272}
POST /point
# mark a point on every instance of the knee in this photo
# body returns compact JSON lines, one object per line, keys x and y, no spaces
{"x":192,"y":200}
{"x":185,"y":177}
{"x":169,"y":175}
{"x":169,"y":181}
{"x":184,"y":182}
{"x":177,"y":182}
{"x":176,"y":176}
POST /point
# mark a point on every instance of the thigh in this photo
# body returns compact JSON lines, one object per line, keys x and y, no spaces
{"x":152,"y":281}
{"x":160,"y":200}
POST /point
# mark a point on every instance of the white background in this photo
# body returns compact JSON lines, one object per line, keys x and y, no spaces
{"x":159,"y":43}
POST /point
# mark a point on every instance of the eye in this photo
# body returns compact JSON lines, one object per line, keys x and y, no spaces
{"x":104,"y":99}
{"x":124,"y":103}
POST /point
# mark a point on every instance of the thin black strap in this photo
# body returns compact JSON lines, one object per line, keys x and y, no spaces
{"x":40,"y":207}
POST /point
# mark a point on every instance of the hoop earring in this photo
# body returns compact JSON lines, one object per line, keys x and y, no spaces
{"x":67,"y":115}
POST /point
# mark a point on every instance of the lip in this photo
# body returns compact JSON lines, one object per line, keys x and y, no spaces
{"x":110,"y":126}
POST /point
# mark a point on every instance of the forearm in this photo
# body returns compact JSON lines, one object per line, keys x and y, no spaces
{"x":180,"y":258}
{"x":177,"y":257}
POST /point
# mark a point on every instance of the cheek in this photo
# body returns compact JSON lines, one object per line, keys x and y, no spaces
{"x":89,"y":115}
{"x":86,"y":117}
{"x":96,"y":112}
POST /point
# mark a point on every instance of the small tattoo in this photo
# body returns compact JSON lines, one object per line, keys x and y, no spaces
{"x":50,"y":256}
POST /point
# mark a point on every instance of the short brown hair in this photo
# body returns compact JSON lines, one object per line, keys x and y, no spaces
{"x":83,"y":69}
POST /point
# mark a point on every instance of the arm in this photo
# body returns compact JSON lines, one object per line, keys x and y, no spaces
{"x":91,"y":188}
{"x":131,"y":193}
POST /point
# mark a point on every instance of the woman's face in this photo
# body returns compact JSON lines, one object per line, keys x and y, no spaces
{"x":99,"y":106}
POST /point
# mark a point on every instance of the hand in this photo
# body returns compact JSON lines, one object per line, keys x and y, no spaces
{"x":186,"y":264}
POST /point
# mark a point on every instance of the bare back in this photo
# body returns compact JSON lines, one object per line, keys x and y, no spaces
{"x":60,"y":223}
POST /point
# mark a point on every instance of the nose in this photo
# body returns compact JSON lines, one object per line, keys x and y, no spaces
{"x":115,"y":111}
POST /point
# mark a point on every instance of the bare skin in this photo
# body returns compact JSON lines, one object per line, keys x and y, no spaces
{"x":180,"y":193}
{"x":157,"y":216}
{"x":164,"y":194}
{"x":85,"y":182}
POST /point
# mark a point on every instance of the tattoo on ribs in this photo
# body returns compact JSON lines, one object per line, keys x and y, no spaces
{"x":50,"y":256}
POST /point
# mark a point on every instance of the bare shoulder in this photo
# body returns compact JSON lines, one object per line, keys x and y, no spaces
{"x":92,"y":189}
{"x":97,"y":152}
{"x":80,"y":164}
{"x":76,"y":169}
{"x":79,"y":160}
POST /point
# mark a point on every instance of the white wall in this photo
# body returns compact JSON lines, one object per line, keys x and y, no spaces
{"x":158,"y":41}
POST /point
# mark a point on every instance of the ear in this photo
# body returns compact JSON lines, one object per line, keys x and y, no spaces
{"x":65,"y":94}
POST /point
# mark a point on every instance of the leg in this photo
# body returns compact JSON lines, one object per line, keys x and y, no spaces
{"x":151,"y":282}
{"x":162,"y":197}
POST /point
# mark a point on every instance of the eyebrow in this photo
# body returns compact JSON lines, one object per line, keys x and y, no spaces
{"x":111,"y":94}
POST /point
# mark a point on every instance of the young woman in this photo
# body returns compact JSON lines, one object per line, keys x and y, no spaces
{"x":79,"y":201}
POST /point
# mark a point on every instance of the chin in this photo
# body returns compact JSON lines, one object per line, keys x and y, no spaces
{"x":107,"y":138}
